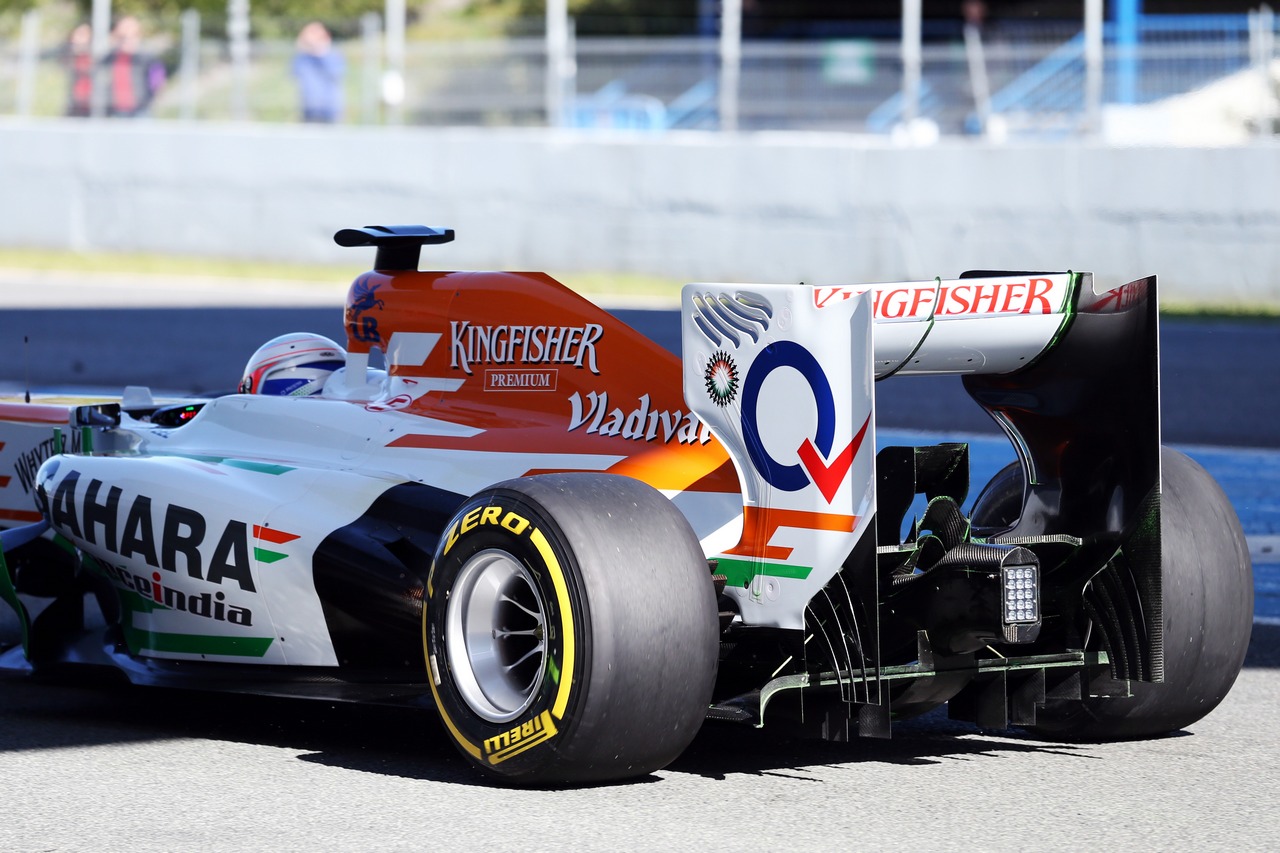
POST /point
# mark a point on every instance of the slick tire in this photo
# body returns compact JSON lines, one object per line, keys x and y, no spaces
{"x":571,"y":630}
{"x":1208,"y":611}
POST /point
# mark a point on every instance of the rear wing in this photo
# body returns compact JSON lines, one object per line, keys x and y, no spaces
{"x":784,"y":376}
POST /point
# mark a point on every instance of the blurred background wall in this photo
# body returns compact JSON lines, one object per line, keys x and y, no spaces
{"x":815,"y":141}
{"x":768,"y":207}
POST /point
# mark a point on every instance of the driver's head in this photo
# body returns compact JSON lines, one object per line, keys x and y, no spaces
{"x":293,"y":365}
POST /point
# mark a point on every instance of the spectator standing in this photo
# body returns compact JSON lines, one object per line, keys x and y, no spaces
{"x":79,"y":62}
{"x":974,"y":13}
{"x":318,"y":67}
{"x":133,"y":77}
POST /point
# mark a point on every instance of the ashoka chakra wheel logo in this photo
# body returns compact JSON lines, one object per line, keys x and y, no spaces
{"x":722,"y":379}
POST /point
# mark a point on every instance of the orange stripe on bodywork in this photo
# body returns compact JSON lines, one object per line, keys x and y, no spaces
{"x":722,"y":479}
{"x":34,"y":413}
{"x":685,"y":468}
{"x":760,"y":523}
{"x":20,"y":515}
{"x":279,"y":537}
{"x":673,"y":467}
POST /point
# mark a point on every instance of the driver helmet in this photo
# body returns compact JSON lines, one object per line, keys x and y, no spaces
{"x":293,"y":365}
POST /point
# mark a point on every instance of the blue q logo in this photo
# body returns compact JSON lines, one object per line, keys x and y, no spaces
{"x":813,"y":454}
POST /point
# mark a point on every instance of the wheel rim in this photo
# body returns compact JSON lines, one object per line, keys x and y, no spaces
{"x":495,"y":635}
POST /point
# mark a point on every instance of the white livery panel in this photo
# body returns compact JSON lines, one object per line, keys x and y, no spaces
{"x":967,"y":325}
{"x":784,"y":374}
{"x":797,"y":417}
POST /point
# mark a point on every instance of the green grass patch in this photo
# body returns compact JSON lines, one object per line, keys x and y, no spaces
{"x":129,"y":263}
{"x":620,"y":284}
{"x":596,"y":283}
{"x":111,"y":263}
{"x":1210,"y":311}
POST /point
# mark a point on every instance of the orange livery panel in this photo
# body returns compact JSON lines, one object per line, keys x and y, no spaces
{"x":504,"y":351}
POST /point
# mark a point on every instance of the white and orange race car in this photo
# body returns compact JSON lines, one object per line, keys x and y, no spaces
{"x":576,"y":547}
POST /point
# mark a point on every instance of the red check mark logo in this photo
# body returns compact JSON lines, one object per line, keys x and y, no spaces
{"x":828,"y":477}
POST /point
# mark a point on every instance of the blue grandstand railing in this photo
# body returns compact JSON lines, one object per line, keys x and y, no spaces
{"x":613,"y":107}
{"x":1056,"y":83}
{"x":1039,"y":87}
{"x":890,"y":112}
{"x":697,"y":106}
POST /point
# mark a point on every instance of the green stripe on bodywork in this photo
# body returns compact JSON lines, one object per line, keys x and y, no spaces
{"x":135,"y":602}
{"x":740,"y":572}
{"x":199,"y":644}
{"x":139,"y":640}
{"x":1070,"y":306}
{"x":260,"y":467}
{"x":262,"y":555}
{"x":244,"y":464}
{"x":937,"y":284}
{"x":9,"y":595}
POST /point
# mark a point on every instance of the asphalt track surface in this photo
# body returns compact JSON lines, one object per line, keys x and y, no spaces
{"x":141,"y":770}
{"x":107,"y":768}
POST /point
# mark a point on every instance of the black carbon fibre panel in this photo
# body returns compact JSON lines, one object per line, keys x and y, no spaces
{"x":370,"y":577}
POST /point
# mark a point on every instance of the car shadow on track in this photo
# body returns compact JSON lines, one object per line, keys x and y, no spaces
{"x":399,"y":741}
{"x":411,"y":743}
{"x":723,"y":750}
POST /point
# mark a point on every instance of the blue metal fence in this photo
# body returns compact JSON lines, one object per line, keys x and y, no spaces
{"x":1173,"y":54}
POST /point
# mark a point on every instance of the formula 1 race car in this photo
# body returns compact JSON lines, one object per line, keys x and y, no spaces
{"x":576,"y":547}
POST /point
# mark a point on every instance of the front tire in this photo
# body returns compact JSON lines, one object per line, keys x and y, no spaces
{"x":571,"y":630}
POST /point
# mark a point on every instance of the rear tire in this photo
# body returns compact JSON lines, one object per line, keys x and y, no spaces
{"x":1208,"y":611}
{"x":571,"y":630}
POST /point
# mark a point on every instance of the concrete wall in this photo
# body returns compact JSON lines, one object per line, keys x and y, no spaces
{"x":763,"y":207}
